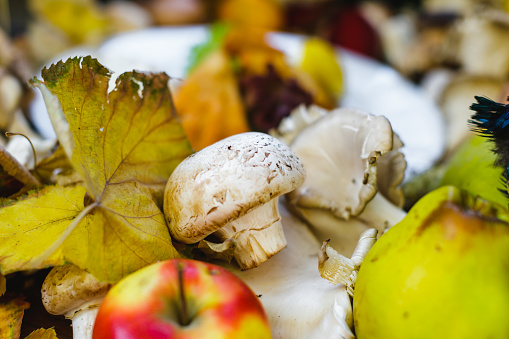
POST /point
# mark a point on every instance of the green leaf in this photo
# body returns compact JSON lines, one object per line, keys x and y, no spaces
{"x":217,"y":34}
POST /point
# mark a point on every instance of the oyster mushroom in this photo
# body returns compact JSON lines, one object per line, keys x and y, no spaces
{"x":300,"y":117}
{"x":230,"y":189}
{"x":344,"y":192}
{"x":299,"y":302}
{"x":75,"y":293}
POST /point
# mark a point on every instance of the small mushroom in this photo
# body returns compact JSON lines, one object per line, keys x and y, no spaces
{"x":482,"y":47}
{"x":341,"y":196}
{"x":75,"y":293}
{"x":455,"y":101}
{"x":230,"y":189}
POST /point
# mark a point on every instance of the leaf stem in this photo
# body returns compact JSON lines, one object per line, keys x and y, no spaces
{"x":10,"y":134}
{"x":51,"y":249}
{"x":17,"y":170}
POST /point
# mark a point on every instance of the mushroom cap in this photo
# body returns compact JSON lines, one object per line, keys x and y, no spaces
{"x":225,"y":181}
{"x":340,"y":153}
{"x":300,"y":117}
{"x":68,"y":288}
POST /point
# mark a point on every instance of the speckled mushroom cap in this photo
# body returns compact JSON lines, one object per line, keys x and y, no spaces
{"x":225,"y":181}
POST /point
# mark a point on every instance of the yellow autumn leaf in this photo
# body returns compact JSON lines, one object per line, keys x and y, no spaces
{"x":34,"y":227}
{"x":124,"y":144}
{"x":12,"y":309}
{"x":42,"y":333}
{"x":82,"y":21}
{"x":56,"y":168}
{"x":319,"y":60}
{"x":268,"y":14}
{"x":209,"y":102}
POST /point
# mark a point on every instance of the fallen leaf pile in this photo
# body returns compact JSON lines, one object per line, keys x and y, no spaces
{"x":121,"y":148}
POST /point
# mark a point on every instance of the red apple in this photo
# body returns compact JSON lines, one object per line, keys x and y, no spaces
{"x":182,"y":299}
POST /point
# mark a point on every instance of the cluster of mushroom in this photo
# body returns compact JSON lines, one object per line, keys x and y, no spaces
{"x":350,"y":192}
{"x":456,"y":50}
{"x":225,"y":200}
{"x":354,"y":169}
{"x":472,"y":60}
{"x":226,"y":197}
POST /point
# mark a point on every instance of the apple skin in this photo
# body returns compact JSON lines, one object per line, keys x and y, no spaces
{"x":442,"y":272}
{"x":148,"y":304}
{"x":471,"y":168}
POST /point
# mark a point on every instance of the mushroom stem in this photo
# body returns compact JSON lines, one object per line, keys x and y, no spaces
{"x":258,"y":235}
{"x":365,"y":243}
{"x":343,"y":234}
{"x":337,"y":268}
{"x":83,"y":323}
{"x":381,"y":214}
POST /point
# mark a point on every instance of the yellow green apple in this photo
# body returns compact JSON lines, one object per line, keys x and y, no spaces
{"x":472,"y":168}
{"x":442,"y":272}
{"x":184,"y":299}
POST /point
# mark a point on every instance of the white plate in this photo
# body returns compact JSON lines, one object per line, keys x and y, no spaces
{"x":371,"y":86}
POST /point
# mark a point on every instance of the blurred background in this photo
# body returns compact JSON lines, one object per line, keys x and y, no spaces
{"x":413,"y":35}
{"x":451,"y":50}
{"x":43,"y":28}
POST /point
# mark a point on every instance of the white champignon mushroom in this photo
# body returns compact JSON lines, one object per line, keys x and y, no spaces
{"x":75,"y":293}
{"x":231,"y":189}
{"x":341,"y":197}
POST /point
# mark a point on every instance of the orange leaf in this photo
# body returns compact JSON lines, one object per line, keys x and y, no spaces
{"x":209,"y":102}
